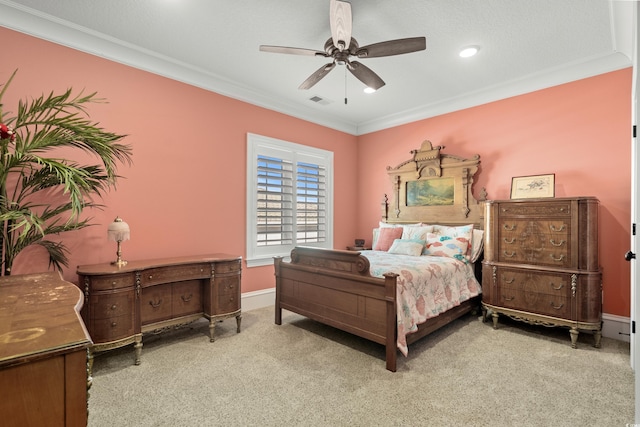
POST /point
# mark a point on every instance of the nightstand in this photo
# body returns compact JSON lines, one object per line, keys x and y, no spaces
{"x":358,"y":248}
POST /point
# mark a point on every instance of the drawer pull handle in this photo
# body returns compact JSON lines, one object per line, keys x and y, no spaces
{"x":114,"y":324}
{"x":509,"y":281}
{"x":186,"y":298}
{"x":513,"y":239}
{"x":230,"y":299}
{"x":156,"y":304}
{"x":509,"y":255}
{"x":553,"y":242}
{"x":560,"y":258}
{"x":509,"y":298}
{"x":113,"y":307}
{"x":557,"y":288}
{"x":553,"y":227}
{"x":558,"y":307}
{"x":150,"y":277}
{"x":113,"y":283}
{"x":509,"y":227}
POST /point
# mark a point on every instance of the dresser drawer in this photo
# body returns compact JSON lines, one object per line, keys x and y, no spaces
{"x":114,"y":328}
{"x":186,"y":298}
{"x":174,"y":273}
{"x":535,"y":242}
{"x":536,"y":292}
{"x":106,"y":306}
{"x":536,"y":209}
{"x":111,"y":282}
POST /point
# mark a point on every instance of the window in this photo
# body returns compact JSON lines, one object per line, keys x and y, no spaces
{"x":289,"y":198}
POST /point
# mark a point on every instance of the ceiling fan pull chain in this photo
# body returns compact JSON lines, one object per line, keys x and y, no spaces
{"x":345,"y":85}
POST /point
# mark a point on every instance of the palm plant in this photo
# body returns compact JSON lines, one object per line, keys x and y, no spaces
{"x":42,"y":195}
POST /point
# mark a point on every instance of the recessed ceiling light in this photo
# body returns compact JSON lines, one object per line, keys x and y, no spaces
{"x":369,"y":90}
{"x":469,"y":51}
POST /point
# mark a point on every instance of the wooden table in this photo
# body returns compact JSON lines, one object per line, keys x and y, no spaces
{"x":43,"y":352}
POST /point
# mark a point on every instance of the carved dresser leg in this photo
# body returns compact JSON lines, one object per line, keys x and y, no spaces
{"x":597,"y":336}
{"x":238,"y":321}
{"x":494,"y":316}
{"x":574,"y":337}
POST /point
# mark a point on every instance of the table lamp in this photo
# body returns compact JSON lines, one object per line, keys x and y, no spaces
{"x":118,"y":231}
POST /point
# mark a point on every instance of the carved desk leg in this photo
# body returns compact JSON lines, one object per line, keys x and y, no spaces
{"x":212,"y":330}
{"x":138,"y":348}
{"x":238,"y":321}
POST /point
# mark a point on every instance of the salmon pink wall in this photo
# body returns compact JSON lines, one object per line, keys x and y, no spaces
{"x":580,"y":131}
{"x":185,"y":192}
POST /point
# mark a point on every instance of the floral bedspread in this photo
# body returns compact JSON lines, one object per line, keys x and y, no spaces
{"x":427,"y":286}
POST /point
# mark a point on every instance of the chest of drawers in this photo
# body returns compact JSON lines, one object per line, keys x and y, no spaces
{"x":122,"y":303}
{"x":541,"y":263}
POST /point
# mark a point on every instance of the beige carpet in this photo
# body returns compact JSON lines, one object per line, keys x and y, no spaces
{"x":306,"y":374}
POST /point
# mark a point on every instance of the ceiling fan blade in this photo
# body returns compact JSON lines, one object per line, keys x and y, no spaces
{"x":365,"y":75}
{"x":392,"y":47}
{"x":317,"y":76}
{"x":292,"y":50}
{"x":341,"y":23}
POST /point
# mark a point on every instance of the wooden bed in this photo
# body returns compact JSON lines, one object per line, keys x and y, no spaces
{"x":335,"y":287}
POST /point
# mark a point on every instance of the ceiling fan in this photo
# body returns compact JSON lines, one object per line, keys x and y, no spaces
{"x":341,"y":46}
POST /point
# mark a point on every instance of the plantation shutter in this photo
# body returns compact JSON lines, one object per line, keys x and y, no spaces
{"x":311,"y":203}
{"x":274,"y":201}
{"x":289,"y":198}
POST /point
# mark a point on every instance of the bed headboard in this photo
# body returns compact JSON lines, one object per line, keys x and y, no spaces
{"x":435,"y":188}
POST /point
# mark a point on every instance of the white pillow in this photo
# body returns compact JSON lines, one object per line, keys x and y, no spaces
{"x":406,"y":247}
{"x":477,"y":245}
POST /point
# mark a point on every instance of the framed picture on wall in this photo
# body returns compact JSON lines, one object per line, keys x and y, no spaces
{"x":533,"y":186}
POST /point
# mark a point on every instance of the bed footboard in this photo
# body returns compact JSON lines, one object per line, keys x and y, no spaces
{"x":336,"y":288}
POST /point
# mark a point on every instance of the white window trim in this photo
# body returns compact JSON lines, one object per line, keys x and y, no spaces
{"x":258,"y":144}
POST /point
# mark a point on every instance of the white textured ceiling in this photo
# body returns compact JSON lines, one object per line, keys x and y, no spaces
{"x":525,"y":45}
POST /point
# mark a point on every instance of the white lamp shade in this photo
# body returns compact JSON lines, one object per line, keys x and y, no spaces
{"x":118,"y":230}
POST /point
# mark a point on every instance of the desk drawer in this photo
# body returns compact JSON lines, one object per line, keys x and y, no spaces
{"x":175,"y":273}
{"x":111,"y":329}
{"x":227,"y":267}
{"x":112,"y":281}
{"x":106,"y":306}
{"x":155,"y":304}
{"x":186,"y":298}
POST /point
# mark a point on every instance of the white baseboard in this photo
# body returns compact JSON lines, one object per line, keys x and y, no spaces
{"x":258,"y":299}
{"x":613,"y":326}
{"x":616,"y":327}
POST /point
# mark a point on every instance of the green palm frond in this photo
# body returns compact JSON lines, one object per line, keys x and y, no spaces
{"x":30,"y":173}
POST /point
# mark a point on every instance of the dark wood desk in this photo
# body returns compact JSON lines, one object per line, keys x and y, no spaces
{"x":152,"y":295}
{"x":43,"y":352}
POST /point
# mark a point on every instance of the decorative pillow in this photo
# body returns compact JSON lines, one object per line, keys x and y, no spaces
{"x":460,"y":232}
{"x":416,"y":231}
{"x":407,"y":247}
{"x":386,"y":236}
{"x":387,"y":225}
{"x":452,"y":247}
{"x":477,"y":244}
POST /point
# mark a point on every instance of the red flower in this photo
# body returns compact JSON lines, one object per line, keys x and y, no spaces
{"x":6,"y":133}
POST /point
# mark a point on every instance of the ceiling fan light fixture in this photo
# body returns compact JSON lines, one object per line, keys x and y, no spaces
{"x":469,"y":51}
{"x":369,"y":90}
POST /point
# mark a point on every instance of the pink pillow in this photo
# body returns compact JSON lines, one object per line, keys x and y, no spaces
{"x":386,"y":237}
